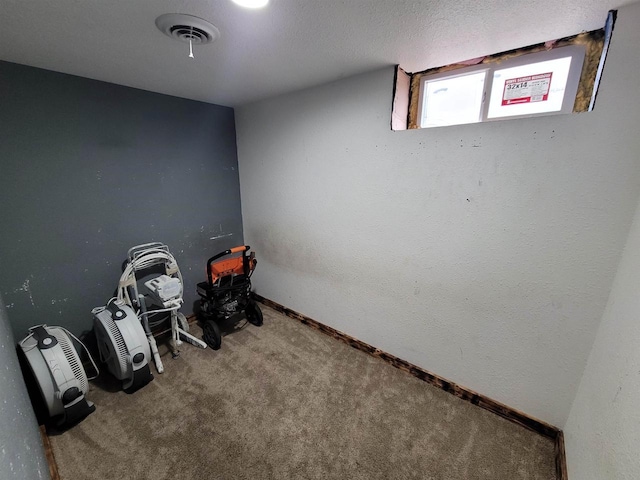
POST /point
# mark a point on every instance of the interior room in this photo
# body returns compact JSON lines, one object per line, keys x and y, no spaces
{"x":448,"y":302}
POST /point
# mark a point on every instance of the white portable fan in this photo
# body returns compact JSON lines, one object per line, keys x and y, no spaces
{"x":123,"y":344}
{"x":59,"y":373}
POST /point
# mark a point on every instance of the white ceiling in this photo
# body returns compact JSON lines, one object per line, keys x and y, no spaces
{"x":289,"y":45}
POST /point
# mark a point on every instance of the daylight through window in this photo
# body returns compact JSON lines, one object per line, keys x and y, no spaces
{"x":534,"y":84}
{"x":557,"y":76}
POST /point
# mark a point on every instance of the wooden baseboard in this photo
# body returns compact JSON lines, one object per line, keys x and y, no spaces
{"x":48,"y":452}
{"x":459,"y":391}
{"x":561,"y":458}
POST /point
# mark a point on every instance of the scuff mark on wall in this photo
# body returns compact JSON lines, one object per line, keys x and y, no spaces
{"x":617,"y":393}
{"x":25,"y":288}
{"x":62,"y":300}
{"x":221,"y":236}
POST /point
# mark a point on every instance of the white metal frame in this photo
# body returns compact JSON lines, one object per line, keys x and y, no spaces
{"x":142,"y":257}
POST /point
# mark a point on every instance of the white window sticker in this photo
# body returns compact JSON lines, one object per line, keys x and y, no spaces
{"x":532,"y":88}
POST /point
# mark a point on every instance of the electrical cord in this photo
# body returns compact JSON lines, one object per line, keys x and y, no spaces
{"x":145,"y":259}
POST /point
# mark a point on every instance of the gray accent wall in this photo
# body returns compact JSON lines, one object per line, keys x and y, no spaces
{"x":21,"y":452}
{"x":89,"y":169}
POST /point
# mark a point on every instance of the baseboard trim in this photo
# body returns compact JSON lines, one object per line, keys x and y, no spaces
{"x":48,"y":453}
{"x":561,"y":458}
{"x":448,"y":386}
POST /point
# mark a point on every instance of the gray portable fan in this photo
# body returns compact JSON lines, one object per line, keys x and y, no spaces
{"x":123,"y":344}
{"x":59,"y":373}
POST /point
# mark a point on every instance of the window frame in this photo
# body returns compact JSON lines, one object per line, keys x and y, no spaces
{"x":576,"y":52}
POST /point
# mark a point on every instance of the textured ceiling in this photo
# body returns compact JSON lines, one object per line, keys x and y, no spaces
{"x":289,"y":45}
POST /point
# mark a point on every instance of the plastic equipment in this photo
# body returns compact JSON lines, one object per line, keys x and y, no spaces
{"x":227,"y":292}
{"x":153,"y":266}
{"x":123,"y":344}
{"x":59,"y":374}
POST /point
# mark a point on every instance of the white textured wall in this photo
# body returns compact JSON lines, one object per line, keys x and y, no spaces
{"x":602,"y":435}
{"x":484,"y":253}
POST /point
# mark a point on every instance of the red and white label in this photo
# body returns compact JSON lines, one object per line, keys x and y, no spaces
{"x":532,"y":88}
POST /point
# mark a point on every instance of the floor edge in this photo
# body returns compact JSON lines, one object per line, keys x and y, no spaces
{"x":482,"y":401}
{"x":48,"y":453}
{"x":459,"y":391}
{"x":561,"y":458}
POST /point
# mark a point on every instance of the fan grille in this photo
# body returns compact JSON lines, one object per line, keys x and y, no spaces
{"x":72,"y":357}
{"x":121,"y":347}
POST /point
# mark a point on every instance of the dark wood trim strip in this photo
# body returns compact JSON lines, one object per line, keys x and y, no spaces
{"x":459,"y":391}
{"x":561,"y":458}
{"x":48,"y":452}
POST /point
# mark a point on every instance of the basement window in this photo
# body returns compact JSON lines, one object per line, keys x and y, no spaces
{"x":550,"y":78}
{"x":540,"y":83}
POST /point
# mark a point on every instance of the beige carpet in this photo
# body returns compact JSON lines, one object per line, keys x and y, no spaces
{"x":285,"y":401}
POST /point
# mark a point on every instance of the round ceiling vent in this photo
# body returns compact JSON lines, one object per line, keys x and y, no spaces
{"x":187,"y":28}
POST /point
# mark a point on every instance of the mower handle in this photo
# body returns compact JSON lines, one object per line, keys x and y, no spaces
{"x":241,"y":248}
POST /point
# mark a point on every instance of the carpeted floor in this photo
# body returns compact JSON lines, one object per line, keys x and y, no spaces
{"x":285,"y":401}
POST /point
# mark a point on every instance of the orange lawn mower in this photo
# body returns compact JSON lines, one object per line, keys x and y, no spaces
{"x":226,"y":292}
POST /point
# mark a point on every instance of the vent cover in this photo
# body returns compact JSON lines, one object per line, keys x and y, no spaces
{"x":187,"y":28}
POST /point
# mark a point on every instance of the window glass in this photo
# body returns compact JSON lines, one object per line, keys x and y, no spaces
{"x":529,"y":89}
{"x":453,"y":100}
{"x":539,"y":83}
